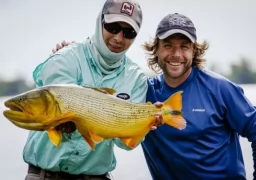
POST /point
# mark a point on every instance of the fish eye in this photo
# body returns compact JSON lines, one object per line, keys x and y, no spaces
{"x":21,"y":98}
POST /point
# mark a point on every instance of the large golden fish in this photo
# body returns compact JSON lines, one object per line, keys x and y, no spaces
{"x":96,"y":113}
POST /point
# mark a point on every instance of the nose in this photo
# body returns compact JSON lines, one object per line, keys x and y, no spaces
{"x":176,"y":52}
{"x":119,"y":36}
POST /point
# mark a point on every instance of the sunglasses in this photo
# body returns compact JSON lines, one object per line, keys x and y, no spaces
{"x":115,"y":28}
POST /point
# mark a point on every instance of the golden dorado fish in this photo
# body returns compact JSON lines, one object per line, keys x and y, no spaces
{"x":97,"y":114}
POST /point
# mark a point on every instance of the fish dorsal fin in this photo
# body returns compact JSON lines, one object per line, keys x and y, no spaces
{"x":103,"y":90}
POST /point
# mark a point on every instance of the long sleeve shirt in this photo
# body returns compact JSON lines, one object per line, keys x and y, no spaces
{"x":74,"y":64}
{"x":217,"y":112}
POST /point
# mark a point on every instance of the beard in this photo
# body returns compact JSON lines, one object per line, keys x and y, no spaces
{"x":175,"y":72}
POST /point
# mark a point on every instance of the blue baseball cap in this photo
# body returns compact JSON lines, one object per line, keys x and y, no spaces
{"x":176,"y":23}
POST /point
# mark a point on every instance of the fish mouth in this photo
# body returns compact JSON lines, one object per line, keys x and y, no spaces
{"x":15,"y":111}
{"x":13,"y":107}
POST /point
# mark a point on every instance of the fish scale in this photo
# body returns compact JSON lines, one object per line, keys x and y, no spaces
{"x":94,"y":102}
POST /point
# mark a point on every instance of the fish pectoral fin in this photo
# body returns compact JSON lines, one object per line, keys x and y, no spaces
{"x":69,"y":116}
{"x":55,"y":136}
{"x":96,"y":138}
{"x":131,"y":142}
{"x":88,"y":139}
{"x":66,"y":116}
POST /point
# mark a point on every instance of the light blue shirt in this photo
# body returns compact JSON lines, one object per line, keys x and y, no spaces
{"x":74,"y":65}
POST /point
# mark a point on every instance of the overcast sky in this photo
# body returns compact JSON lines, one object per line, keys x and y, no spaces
{"x":29,"y":29}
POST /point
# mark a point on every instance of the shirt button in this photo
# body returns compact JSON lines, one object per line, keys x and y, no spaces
{"x":77,"y":153}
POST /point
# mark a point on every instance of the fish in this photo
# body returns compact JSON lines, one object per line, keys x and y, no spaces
{"x":96,"y":113}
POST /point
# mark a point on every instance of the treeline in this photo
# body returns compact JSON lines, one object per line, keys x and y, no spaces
{"x":9,"y":88}
{"x":240,"y":73}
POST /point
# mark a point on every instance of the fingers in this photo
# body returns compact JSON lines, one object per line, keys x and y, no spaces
{"x":58,"y":47}
{"x":158,"y":104}
{"x":153,"y":128}
{"x":61,"y":45}
{"x":65,"y":43}
{"x":158,"y":121}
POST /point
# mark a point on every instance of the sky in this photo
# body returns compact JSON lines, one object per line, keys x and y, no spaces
{"x":29,"y":29}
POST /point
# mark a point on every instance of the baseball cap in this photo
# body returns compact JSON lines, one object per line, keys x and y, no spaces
{"x":128,"y":11}
{"x":176,"y":23}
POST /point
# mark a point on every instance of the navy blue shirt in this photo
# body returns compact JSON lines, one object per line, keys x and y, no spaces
{"x":217,"y":112}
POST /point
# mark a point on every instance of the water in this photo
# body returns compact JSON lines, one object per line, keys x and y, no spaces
{"x":129,"y":163}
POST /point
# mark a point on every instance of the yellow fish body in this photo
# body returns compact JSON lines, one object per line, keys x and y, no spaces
{"x":97,"y":114}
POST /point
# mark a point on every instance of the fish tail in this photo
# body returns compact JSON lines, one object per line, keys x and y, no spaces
{"x":172,"y":111}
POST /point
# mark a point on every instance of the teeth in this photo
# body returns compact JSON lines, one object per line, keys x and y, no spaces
{"x":174,"y":63}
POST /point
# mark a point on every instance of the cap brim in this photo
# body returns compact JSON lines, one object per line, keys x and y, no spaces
{"x":110,"y":18}
{"x":175,"y":31}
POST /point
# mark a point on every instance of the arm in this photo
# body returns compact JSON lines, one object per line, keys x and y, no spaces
{"x":55,"y":70}
{"x":241,"y":115}
{"x":139,"y":96}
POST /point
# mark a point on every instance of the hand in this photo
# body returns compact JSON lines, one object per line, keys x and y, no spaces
{"x":68,"y":127}
{"x":61,"y":45}
{"x":159,"y":118}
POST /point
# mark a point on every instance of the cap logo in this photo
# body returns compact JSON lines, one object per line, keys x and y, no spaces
{"x":127,"y":8}
{"x":177,"y":20}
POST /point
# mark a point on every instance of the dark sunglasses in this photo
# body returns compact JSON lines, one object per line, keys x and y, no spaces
{"x":115,"y":28}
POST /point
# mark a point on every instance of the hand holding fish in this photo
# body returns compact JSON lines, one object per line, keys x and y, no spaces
{"x":68,"y":127}
{"x":159,"y":118}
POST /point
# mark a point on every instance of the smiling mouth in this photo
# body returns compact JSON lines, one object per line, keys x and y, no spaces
{"x":175,"y":63}
{"x":116,"y":48}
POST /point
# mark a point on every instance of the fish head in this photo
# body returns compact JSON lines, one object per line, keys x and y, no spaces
{"x":35,"y":106}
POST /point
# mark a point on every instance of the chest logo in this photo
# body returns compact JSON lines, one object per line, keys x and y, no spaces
{"x":123,"y":96}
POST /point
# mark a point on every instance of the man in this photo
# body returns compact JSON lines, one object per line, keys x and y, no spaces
{"x":100,"y":61}
{"x":216,"y":110}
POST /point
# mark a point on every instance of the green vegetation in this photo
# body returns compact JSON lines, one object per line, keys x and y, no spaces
{"x":243,"y":72}
{"x":9,"y":88}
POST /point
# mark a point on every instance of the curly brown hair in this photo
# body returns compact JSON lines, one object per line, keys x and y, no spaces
{"x":151,"y":48}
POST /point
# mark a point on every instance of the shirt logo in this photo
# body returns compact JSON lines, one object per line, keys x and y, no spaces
{"x":127,"y":8}
{"x":123,"y":96}
{"x":198,"y":110}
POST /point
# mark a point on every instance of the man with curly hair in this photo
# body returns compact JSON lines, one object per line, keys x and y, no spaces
{"x":216,"y":110}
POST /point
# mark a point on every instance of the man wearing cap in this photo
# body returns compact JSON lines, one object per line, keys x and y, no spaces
{"x":100,"y":61}
{"x":216,"y":110}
